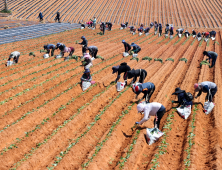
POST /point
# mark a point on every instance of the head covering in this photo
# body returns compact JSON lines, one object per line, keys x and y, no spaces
{"x":205,"y":53}
{"x":87,"y":71}
{"x":196,"y":86}
{"x":115,"y":69}
{"x":133,"y":44}
{"x":177,"y":91}
{"x":45,"y":46}
{"x":138,"y":89}
{"x":123,"y":41}
{"x":83,"y":37}
{"x":140,"y":107}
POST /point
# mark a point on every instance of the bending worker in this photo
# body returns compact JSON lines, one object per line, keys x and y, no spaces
{"x":212,"y":55}
{"x":123,"y":68}
{"x":141,"y":73}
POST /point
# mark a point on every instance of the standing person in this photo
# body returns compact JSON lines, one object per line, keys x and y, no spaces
{"x":160,"y":29}
{"x":93,"y":50}
{"x":57,"y":17}
{"x":171,"y":32}
{"x":94,"y":22}
{"x":207,"y":87}
{"x":151,"y":109}
{"x":212,"y":55}
{"x":49,"y":47}
{"x":155,"y":27}
{"x":136,"y":49}
{"x":182,"y":98}
{"x":40,"y":17}
{"x":15,"y":55}
{"x":103,"y":27}
{"x":141,"y":73}
{"x":84,"y":44}
{"x":126,"y":46}
{"x":123,"y":68}
{"x":167,"y":30}
{"x":146,"y":88}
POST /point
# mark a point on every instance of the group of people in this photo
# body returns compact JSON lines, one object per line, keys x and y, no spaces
{"x":57,"y":18}
{"x":92,"y":24}
{"x":133,"y":47}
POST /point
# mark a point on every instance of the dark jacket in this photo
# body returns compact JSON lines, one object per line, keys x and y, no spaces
{"x":84,"y":42}
{"x":126,"y":46}
{"x":123,"y":68}
{"x":146,"y":88}
{"x":135,"y":73}
{"x":147,"y":30}
{"x":49,"y":46}
{"x":199,"y":35}
{"x":58,"y":15}
{"x":136,"y":47}
{"x":212,"y":33}
{"x":40,"y":15}
{"x":60,"y":46}
{"x":212,"y":55}
{"x":182,"y":99}
{"x":194,"y":32}
{"x":86,"y":77}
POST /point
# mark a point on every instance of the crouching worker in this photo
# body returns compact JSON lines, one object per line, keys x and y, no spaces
{"x":61,"y":47}
{"x":151,"y":109}
{"x":187,"y":34}
{"x":69,"y":50}
{"x":212,"y":55}
{"x":86,"y":80}
{"x":15,"y":55}
{"x":206,"y":35}
{"x":185,"y":101}
{"x":213,"y":35}
{"x":141,"y":73}
{"x":126,"y":46}
{"x":93,"y":50}
{"x":194,"y":33}
{"x":49,"y":47}
{"x":147,"y":30}
{"x":87,"y":62}
{"x":207,"y":87}
{"x":146,"y":88}
{"x":123,"y":68}
{"x":136,"y":49}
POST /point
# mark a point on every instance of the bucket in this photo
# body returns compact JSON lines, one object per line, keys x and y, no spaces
{"x":58,"y":56}
{"x":9,"y":63}
{"x":135,"y":55}
{"x":140,"y":33}
{"x":147,"y":34}
{"x":121,"y":28}
{"x":81,"y":28}
{"x":179,"y":35}
{"x":120,"y":86}
{"x":213,"y":38}
{"x":125,"y":54}
{"x":46,"y":56}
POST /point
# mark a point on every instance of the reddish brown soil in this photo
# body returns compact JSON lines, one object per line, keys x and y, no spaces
{"x":205,"y":154}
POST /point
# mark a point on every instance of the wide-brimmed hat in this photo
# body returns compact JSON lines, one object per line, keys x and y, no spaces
{"x":115,"y":69}
{"x":123,"y":41}
{"x":177,"y":91}
{"x":138,"y":89}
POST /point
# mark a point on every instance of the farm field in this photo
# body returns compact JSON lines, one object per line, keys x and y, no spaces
{"x":47,"y":122}
{"x":185,"y":13}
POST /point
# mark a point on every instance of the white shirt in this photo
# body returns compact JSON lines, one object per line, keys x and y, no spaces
{"x":15,"y":53}
{"x":150,"y":109}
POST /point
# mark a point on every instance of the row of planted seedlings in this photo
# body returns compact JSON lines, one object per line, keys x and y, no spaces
{"x":130,"y":149}
{"x":67,"y":80}
{"x":29,"y":89}
{"x":57,"y":64}
{"x":180,"y":124}
{"x":31,"y":67}
{"x":55,"y":85}
{"x":205,"y":126}
{"x":84,"y":129}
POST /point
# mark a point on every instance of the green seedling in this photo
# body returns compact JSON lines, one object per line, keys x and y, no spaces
{"x":32,"y":53}
{"x":98,"y":56}
{"x":183,"y":59}
{"x":135,"y":58}
{"x":42,"y":51}
{"x":77,"y":42}
{"x":147,"y":58}
{"x":204,"y":62}
{"x":159,"y":59}
{"x":75,"y":57}
{"x":216,"y":42}
{"x":170,"y":59}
